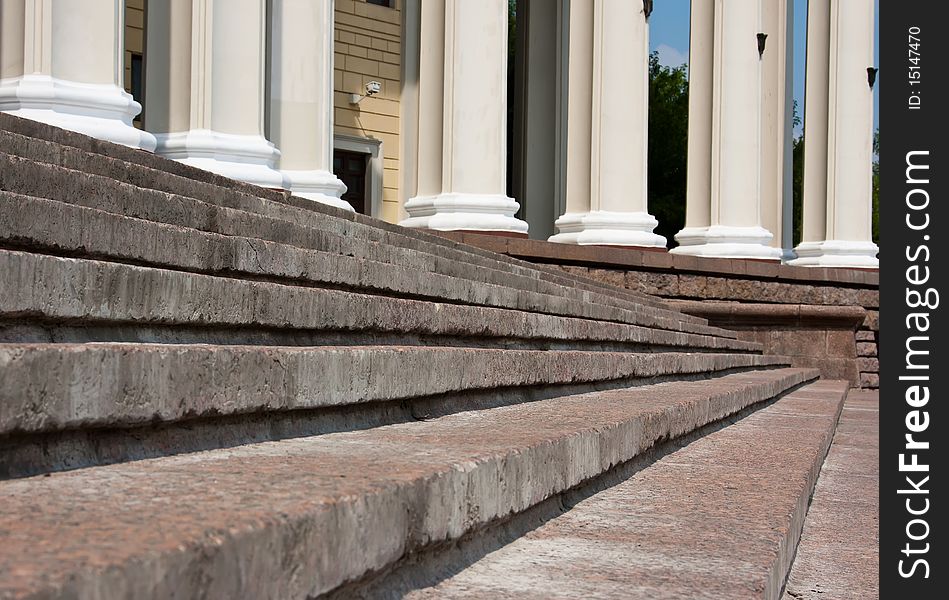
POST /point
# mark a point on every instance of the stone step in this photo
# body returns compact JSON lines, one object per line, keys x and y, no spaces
{"x":118,"y":385}
{"x":31,"y":179}
{"x":846,"y":499}
{"x":43,"y":143}
{"x":300,"y":517}
{"x":80,"y":231}
{"x":349,"y":232}
{"x":110,"y":301}
{"x":67,"y":406}
{"x":719,"y":517}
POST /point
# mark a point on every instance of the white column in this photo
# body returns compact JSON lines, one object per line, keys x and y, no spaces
{"x":815,"y":125}
{"x":618,"y":212}
{"x":579,"y":123}
{"x":431,"y":100}
{"x":698,"y":192}
{"x":168,"y":76}
{"x":473,"y":134}
{"x":735,"y":229}
{"x":776,"y":121}
{"x":301,"y":107}
{"x":846,"y":189}
{"x":69,"y":70}
{"x":225,"y":94}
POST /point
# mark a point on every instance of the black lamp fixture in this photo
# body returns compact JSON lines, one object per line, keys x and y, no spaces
{"x":647,"y":8}
{"x":872,"y":76}
{"x":761,"y":39}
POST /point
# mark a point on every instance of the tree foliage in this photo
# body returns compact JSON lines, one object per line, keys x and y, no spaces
{"x":668,"y":145}
{"x":876,"y":186}
{"x":797,"y":185}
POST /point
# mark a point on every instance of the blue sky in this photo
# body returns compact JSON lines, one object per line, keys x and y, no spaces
{"x":669,"y":34}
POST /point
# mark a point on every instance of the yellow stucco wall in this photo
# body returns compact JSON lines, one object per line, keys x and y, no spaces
{"x":368,"y":45}
{"x":134,"y":35}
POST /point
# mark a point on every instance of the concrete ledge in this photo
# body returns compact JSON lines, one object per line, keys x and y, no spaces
{"x":630,"y":258}
{"x":718,"y":518}
{"x":727,"y":314}
{"x":297,"y":518}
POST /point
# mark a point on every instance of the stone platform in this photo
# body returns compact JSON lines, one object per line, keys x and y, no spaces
{"x":215,"y":390}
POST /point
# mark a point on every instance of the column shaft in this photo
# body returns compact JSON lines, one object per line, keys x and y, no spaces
{"x":68,"y":69}
{"x":734,"y":229}
{"x":474,"y":122}
{"x":776,"y":119}
{"x":226,"y":60}
{"x":815,"y":121}
{"x":168,"y":76}
{"x":619,"y":112}
{"x":698,"y":204}
{"x":579,"y":108}
{"x":847,"y":184}
{"x":301,"y":108}
{"x":431,"y":100}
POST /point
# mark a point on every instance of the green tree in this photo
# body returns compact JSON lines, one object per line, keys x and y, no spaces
{"x":876,"y":186}
{"x":668,"y":145}
{"x":797,"y":185}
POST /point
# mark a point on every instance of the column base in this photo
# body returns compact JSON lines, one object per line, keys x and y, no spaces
{"x":248,"y":158}
{"x":316,"y":185}
{"x":103,"y":111}
{"x":837,"y":253}
{"x":720,"y":241}
{"x":608,"y":228}
{"x":471,"y":212}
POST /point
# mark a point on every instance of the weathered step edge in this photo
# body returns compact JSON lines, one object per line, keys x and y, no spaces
{"x":317,"y":545}
{"x":84,"y":232}
{"x":21,"y":136}
{"x":697,"y":517}
{"x":65,"y":289}
{"x":50,"y":387}
{"x":31,"y":179}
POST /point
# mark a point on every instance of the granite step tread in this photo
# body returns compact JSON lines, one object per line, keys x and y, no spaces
{"x":717,"y":518}
{"x":297,"y":518}
{"x":44,"y":143}
{"x":82,"y":231}
{"x":54,"y":289}
{"x":64,"y":386}
{"x":839,"y":553}
{"x":42,"y":180}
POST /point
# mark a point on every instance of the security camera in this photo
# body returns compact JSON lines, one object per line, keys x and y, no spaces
{"x":372,"y":88}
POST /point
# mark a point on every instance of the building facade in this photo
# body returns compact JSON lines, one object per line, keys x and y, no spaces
{"x":402,"y":109}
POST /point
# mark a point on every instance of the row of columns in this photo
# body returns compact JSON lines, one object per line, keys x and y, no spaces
{"x":209,"y":66}
{"x":210,"y":63}
{"x":838,"y":104}
{"x":739,"y":166}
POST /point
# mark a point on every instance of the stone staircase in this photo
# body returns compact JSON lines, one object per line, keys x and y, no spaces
{"x":209,"y":389}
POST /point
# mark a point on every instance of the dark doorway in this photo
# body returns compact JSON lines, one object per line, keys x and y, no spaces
{"x":351,"y":168}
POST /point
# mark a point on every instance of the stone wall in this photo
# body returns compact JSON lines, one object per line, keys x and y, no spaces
{"x":819,"y":317}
